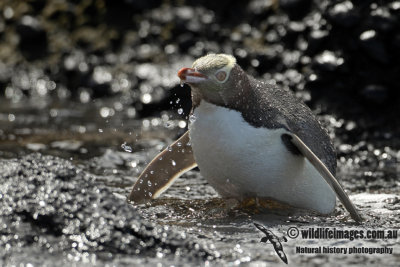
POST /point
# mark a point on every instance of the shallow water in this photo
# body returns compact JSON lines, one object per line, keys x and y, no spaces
{"x":115,"y":149}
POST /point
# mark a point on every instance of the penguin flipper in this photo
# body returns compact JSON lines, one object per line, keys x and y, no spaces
{"x":329,"y":178}
{"x":163,"y":170}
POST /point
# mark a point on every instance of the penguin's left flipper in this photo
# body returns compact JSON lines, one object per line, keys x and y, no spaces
{"x":329,"y":178}
{"x":163,"y":170}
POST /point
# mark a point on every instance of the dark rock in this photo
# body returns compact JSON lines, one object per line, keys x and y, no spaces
{"x":376,"y":94}
{"x":294,"y":30}
{"x":49,"y":206}
{"x":316,"y":40}
{"x":394,"y":6}
{"x":296,"y":9}
{"x":267,"y":62}
{"x":100,"y":82}
{"x":262,"y":7}
{"x":5,"y":76}
{"x":373,"y":46}
{"x":381,"y":19}
{"x":185,"y":41}
{"x":75,"y":71}
{"x":328,"y":61}
{"x":344,"y":14}
{"x":396,"y":40}
{"x":231,"y":11}
{"x":32,"y":38}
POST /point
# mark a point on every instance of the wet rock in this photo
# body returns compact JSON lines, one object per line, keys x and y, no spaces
{"x":344,"y":14}
{"x":328,"y":61}
{"x":316,"y":40}
{"x":32,"y":38}
{"x":296,"y":9}
{"x":293,"y":32}
{"x":100,"y":81}
{"x":260,"y":6}
{"x":75,"y":70}
{"x":49,"y":206}
{"x":5,"y":75}
{"x":376,"y":94}
{"x":95,"y":42}
{"x":373,"y":46}
{"x":185,"y":41}
{"x":381,"y":19}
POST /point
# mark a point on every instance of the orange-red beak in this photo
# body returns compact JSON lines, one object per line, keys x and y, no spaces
{"x":189,"y":75}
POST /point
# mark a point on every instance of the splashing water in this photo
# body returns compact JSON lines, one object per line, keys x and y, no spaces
{"x":126,"y":148}
{"x":180,"y":111}
{"x":192,"y":118}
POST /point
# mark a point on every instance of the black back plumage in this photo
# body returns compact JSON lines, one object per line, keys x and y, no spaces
{"x":267,"y":105}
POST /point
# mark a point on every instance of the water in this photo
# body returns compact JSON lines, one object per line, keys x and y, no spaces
{"x":191,"y":207}
{"x":192,"y":118}
{"x":127,"y":148}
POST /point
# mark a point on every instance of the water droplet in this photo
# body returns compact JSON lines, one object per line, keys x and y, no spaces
{"x":141,"y":181}
{"x":149,"y":183}
{"x":151,"y":172}
{"x":192,"y":118}
{"x":180,"y":111}
{"x":138,"y":189}
{"x":177,"y":101}
{"x":150,"y":194}
{"x":179,"y":144}
{"x":11,"y":117}
{"x":173,"y":162}
{"x":146,"y":98}
{"x":169,"y":148}
{"x":182,"y":124}
{"x":160,"y":158}
{"x":127,"y":148}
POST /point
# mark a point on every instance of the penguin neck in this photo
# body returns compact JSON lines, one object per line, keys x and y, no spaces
{"x":253,"y":103}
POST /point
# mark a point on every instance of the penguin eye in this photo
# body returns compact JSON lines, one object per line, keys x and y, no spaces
{"x":220,"y":75}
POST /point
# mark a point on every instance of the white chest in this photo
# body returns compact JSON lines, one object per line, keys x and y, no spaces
{"x":243,"y":161}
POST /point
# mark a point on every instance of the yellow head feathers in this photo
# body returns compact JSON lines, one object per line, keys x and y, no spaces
{"x":214,"y":61}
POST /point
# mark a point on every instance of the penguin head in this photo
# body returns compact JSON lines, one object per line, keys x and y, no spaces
{"x":215,"y":77}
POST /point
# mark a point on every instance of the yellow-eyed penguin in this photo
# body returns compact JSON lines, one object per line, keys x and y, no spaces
{"x":249,"y":139}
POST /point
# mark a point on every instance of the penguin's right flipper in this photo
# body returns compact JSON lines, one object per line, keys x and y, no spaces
{"x":163,"y":170}
{"x":329,"y":178}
